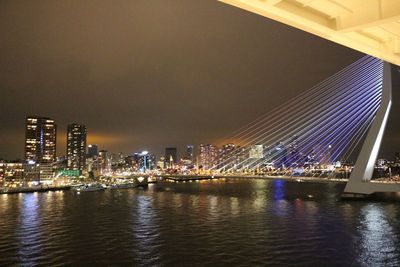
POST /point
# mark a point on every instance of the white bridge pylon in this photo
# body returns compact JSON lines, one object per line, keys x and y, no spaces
{"x":360,"y":179}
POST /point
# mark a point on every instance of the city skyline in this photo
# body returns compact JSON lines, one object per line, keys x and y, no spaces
{"x":127,"y":89}
{"x":206,"y":133}
{"x":139,"y":88}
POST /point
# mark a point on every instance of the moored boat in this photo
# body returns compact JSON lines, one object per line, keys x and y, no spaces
{"x":88,"y":188}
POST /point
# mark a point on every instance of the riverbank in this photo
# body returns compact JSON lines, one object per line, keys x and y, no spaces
{"x":186,"y":178}
{"x":18,"y":190}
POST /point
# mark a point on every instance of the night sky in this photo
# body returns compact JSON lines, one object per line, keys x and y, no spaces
{"x":147,"y":74}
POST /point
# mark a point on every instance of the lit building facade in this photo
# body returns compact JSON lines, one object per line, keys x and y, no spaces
{"x":40,"y":140}
{"x":144,"y":161}
{"x":40,"y":148}
{"x":76,"y":146}
{"x":104,"y":161}
{"x":208,"y":155}
{"x":226,"y":156}
{"x":11,"y":172}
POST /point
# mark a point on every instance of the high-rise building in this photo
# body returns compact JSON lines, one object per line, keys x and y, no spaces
{"x":104,"y":161}
{"x":190,"y":153}
{"x":40,"y":140}
{"x":208,"y":156}
{"x":40,"y":148}
{"x":76,"y":146}
{"x":171,"y":156}
{"x":93,"y":151}
{"x":144,"y":161}
{"x":226,"y":157}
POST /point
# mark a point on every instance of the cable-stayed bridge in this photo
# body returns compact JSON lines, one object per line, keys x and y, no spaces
{"x":371,"y":27}
{"x":323,"y":125}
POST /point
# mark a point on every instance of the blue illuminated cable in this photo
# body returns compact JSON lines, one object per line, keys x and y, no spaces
{"x":308,"y":93}
{"x":325,"y":96}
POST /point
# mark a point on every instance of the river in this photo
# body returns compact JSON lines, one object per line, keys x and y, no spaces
{"x":237,"y":222}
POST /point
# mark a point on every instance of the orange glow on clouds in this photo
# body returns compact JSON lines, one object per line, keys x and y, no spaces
{"x":104,"y":141}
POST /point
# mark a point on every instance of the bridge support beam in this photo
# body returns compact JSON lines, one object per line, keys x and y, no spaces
{"x":359,"y":183}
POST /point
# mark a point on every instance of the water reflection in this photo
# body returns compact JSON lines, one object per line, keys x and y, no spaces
{"x":377,"y":246}
{"x":145,"y":231}
{"x":234,"y":204}
{"x":280,"y":206}
{"x":4,"y":205}
{"x":237,"y":222}
{"x":29,"y":232}
{"x":278,"y":189}
{"x":213,"y":207}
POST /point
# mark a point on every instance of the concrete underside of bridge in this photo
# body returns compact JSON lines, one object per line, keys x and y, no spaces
{"x":369,"y":26}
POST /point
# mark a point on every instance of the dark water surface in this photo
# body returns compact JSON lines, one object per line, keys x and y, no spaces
{"x":218,"y":223}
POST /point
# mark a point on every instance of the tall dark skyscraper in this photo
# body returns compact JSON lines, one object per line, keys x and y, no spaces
{"x":40,"y":140}
{"x":171,"y":155}
{"x":190,"y":153}
{"x":93,"y":150}
{"x":76,"y":146}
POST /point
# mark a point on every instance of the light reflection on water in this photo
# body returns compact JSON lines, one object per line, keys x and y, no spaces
{"x":377,"y":246}
{"x":29,"y":231}
{"x":145,"y":231}
{"x":234,"y":222}
{"x":235,"y":209}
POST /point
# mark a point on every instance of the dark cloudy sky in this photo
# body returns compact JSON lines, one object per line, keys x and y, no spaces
{"x":146,"y":74}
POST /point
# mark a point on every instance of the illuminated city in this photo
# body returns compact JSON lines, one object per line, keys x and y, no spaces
{"x":231,"y":132}
{"x":272,"y":146}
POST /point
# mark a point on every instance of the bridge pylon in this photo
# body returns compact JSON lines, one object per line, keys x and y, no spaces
{"x":359,"y":183}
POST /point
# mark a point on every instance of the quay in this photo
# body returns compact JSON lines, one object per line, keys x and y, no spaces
{"x":194,"y":177}
{"x":33,"y":189}
{"x":187,"y":178}
{"x":200,"y":177}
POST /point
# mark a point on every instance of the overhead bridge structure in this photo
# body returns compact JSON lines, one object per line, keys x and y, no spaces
{"x":369,"y":26}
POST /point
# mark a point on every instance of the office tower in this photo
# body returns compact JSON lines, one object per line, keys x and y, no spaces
{"x":40,"y":140}
{"x":104,"y":161}
{"x":171,"y":156}
{"x":190,"y":153}
{"x":76,"y":146}
{"x":226,"y":156}
{"x":93,"y":151}
{"x":208,"y":156}
{"x":144,"y":161}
